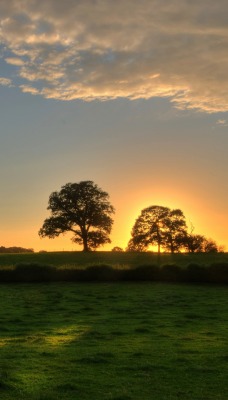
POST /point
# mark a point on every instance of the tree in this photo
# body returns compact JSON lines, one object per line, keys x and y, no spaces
{"x":117,"y":249}
{"x":159,"y":226}
{"x":175,"y":229}
{"x":135,"y":246}
{"x":194,"y":243}
{"x":210,"y":246}
{"x":200,"y":244}
{"x":82,"y":208}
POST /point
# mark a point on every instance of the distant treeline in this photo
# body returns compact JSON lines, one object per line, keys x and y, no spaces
{"x":15,"y":249}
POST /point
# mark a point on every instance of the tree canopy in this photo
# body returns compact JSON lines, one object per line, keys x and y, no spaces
{"x":83,"y":209}
{"x":161,"y":226}
{"x":117,"y":249}
{"x":200,"y":244}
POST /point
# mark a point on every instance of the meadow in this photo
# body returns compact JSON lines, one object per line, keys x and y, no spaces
{"x":113,"y":341}
{"x":115,"y":259}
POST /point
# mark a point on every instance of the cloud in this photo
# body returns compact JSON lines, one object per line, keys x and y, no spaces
{"x":221,"y":122}
{"x":5,"y":81}
{"x":89,"y":49}
{"x":14,"y":61}
{"x":29,"y":89}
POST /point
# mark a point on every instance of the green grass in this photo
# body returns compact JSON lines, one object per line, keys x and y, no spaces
{"x":113,"y":342}
{"x":118,"y":260}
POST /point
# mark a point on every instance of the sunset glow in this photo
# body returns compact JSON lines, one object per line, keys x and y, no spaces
{"x":131,"y":95}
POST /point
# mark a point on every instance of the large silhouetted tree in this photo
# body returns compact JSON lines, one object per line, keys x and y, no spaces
{"x":159,"y":226}
{"x":83,"y":209}
{"x":174,"y":230}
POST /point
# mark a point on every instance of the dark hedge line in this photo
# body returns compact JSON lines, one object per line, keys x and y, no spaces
{"x":33,"y":272}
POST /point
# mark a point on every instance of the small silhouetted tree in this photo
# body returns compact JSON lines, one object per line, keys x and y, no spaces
{"x":161,"y":226}
{"x":210,"y":246}
{"x":200,"y":244}
{"x":83,"y":209}
{"x":194,"y":243}
{"x":117,"y":249}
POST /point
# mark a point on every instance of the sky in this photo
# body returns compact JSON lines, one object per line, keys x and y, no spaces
{"x":131,"y":95}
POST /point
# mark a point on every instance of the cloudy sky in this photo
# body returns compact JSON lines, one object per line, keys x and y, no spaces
{"x":132,"y":95}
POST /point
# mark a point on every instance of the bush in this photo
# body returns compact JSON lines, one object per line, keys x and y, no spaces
{"x":196,"y":273}
{"x":6,"y":275}
{"x":218,"y":273}
{"x":101,"y":273}
{"x":171,"y":273}
{"x":33,"y":272}
{"x":142,"y":273}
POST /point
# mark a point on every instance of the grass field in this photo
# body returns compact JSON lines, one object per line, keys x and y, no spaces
{"x":113,"y":342}
{"x":116,"y":259}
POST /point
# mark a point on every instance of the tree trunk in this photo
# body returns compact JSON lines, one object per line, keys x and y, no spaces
{"x":85,"y":242}
{"x":171,"y":246}
{"x":159,"y":240}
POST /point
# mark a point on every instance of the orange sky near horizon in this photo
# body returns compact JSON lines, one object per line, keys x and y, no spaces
{"x":197,"y":214}
{"x":131,"y":95}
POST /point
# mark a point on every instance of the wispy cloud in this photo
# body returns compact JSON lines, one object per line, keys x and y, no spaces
{"x":222,"y":122}
{"x":14,"y":61}
{"x":5,"y":81}
{"x":125,"y":48}
{"x":29,"y":89}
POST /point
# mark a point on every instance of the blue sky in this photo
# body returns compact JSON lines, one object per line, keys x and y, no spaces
{"x":136,"y":101}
